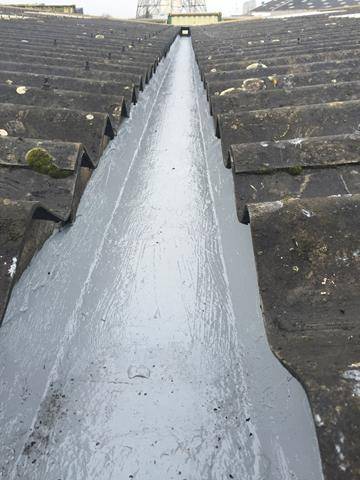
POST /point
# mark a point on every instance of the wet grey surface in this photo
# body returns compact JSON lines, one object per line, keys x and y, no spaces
{"x":133,"y":346}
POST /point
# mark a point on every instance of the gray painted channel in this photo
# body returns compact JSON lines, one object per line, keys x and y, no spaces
{"x":133,"y":345}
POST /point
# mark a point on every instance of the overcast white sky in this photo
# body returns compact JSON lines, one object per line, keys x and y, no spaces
{"x":127,"y":8}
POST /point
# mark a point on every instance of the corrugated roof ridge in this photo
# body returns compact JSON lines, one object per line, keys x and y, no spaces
{"x":45,"y":118}
{"x":297,"y":181}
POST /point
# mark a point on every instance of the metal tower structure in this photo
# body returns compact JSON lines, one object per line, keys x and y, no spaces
{"x":193,"y":6}
{"x":162,"y":8}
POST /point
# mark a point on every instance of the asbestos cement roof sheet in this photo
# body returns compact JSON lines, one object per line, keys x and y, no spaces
{"x":276,"y":5}
{"x":284,"y":96}
{"x":66,"y":84}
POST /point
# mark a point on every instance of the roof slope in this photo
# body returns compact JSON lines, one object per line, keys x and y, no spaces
{"x":280,"y":5}
{"x":285,"y":100}
{"x":66,"y":83}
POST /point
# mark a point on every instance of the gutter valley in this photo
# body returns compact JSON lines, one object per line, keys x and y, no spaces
{"x":133,"y":346}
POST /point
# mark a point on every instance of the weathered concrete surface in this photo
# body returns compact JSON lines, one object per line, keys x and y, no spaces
{"x":34,"y":122}
{"x":24,"y":227}
{"x":19,"y":180}
{"x":300,"y":167}
{"x":114,"y":105}
{"x":312,"y":316}
{"x":134,"y":346}
{"x":286,"y":123}
{"x":261,"y":98}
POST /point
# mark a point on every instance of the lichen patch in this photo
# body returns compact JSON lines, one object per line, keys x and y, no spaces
{"x":227,"y":91}
{"x":255,"y":66}
{"x":12,"y":268}
{"x":21,"y":90}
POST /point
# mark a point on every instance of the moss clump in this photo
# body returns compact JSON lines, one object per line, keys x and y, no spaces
{"x":41,"y":161}
{"x":296,"y":170}
{"x":266,"y":170}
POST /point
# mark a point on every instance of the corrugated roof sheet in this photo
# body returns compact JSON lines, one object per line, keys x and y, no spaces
{"x":276,"y":5}
{"x":66,"y":83}
{"x":286,"y":101}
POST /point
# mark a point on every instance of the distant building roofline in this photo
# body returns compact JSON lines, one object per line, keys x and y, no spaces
{"x":43,"y":7}
{"x":193,"y":19}
{"x":32,"y":5}
{"x":197,"y":14}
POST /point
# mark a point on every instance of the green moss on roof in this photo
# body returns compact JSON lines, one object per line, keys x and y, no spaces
{"x":296,"y":170}
{"x":42,"y":162}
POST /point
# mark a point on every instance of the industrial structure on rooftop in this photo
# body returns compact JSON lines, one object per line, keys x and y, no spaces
{"x":160,"y":9}
{"x":192,"y":19}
